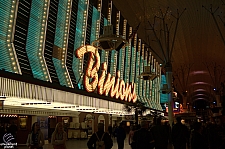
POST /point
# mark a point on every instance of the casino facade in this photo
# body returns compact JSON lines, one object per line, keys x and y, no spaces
{"x":51,"y":72}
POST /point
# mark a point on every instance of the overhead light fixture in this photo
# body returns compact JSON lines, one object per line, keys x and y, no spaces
{"x":109,"y":41}
{"x":165,"y":89}
{"x":148,"y":74}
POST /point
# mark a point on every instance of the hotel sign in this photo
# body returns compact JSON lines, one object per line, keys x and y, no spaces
{"x":105,"y":83}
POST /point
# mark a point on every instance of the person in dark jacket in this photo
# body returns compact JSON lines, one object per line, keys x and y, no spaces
{"x":216,"y":135}
{"x":198,"y":141}
{"x":160,"y":134}
{"x":180,"y":135}
{"x":143,"y":138}
{"x":120,"y":136}
{"x":98,"y":136}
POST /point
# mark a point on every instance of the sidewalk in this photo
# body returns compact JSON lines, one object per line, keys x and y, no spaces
{"x":82,"y":144}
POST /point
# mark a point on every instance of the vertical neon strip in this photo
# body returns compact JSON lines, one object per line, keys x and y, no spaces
{"x":80,"y":34}
{"x":36,"y":39}
{"x":137,"y":79}
{"x":61,"y":40}
{"x":141,"y":70}
{"x":146,"y":82}
{"x":151,"y":83}
{"x":163,"y":97}
{"x":103,"y":55}
{"x":112,"y":59}
{"x":127,"y":63}
{"x":94,"y":24}
{"x":154,"y":81}
{"x":133,"y":59}
{"x":99,"y":19}
{"x":122,"y":53}
{"x":8,"y":57}
{"x":160,"y":78}
{"x":109,"y":12}
{"x":158,"y":83}
{"x":115,"y":63}
{"x":109,"y":22}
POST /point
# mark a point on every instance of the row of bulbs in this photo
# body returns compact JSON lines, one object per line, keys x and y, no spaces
{"x":42,"y":37}
{"x":64,"y":47}
{"x":83,"y":36}
{"x":10,"y":46}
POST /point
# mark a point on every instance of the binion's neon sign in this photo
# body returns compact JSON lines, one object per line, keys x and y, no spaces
{"x":105,"y":83}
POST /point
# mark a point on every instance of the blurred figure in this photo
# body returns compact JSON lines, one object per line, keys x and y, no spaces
{"x":35,"y":139}
{"x":100,"y":139}
{"x":13,"y":130}
{"x":160,"y":134}
{"x":130,"y":139}
{"x":120,"y":135}
{"x":59,"y":137}
{"x":198,"y":141}
{"x":143,"y":138}
{"x":180,"y":135}
{"x":216,"y":135}
{"x":114,"y":131}
{"x":110,"y":129}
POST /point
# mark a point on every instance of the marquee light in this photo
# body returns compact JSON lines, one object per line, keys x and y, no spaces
{"x":107,"y":84}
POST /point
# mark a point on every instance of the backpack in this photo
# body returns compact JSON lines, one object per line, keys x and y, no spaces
{"x":100,"y":144}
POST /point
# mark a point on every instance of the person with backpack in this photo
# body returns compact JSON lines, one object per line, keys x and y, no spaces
{"x":100,"y":139}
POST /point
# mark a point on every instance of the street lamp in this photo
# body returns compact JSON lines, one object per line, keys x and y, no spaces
{"x":109,"y":41}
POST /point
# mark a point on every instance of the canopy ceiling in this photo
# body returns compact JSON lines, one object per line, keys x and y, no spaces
{"x":199,"y":43}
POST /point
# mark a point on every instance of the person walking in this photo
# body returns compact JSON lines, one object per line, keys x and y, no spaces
{"x":100,"y":139}
{"x":59,"y":137}
{"x":180,"y":135}
{"x":131,"y":134}
{"x":35,"y":139}
{"x":198,"y":141}
{"x":143,"y":138}
{"x":160,"y":134}
{"x":120,"y":136}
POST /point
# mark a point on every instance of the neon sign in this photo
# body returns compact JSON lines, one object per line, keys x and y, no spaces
{"x":105,"y":83}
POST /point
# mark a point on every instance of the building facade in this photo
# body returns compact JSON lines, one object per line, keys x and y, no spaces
{"x":45,"y":70}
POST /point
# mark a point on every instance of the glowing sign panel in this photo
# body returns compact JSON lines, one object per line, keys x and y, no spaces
{"x":105,"y":84}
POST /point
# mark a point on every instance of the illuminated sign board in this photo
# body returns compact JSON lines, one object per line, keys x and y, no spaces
{"x":105,"y":84}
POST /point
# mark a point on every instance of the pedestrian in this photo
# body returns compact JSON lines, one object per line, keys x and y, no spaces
{"x":59,"y":137}
{"x":35,"y":139}
{"x":180,"y":135}
{"x":131,"y":134}
{"x":143,"y":138}
{"x":100,"y":139}
{"x":198,"y":140}
{"x":160,"y":134}
{"x":120,"y":135}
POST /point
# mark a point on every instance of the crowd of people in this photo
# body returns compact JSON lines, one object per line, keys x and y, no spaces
{"x":158,"y":135}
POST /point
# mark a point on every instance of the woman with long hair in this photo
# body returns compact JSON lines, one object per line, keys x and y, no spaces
{"x":59,"y":137}
{"x":35,"y":139}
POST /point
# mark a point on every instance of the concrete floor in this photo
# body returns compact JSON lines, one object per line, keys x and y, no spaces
{"x":81,"y":144}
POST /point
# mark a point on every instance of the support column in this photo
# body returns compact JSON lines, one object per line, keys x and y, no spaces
{"x":218,"y":103}
{"x":185,"y":104}
{"x":170,"y":98}
{"x":33,"y":119}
